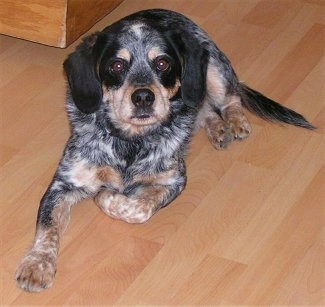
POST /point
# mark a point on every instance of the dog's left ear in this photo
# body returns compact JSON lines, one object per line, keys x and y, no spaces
{"x":194,"y":59}
{"x":80,"y":68}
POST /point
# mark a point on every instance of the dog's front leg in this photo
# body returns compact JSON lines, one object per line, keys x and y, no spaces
{"x":141,"y":200}
{"x":74,"y":181}
{"x":37,"y":269}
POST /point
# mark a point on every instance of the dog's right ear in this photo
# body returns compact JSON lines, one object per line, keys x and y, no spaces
{"x":80,"y":68}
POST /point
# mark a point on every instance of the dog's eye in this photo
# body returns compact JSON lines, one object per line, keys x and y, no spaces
{"x":118,"y":66}
{"x":162,"y":64}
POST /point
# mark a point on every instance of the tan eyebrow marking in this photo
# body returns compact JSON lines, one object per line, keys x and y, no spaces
{"x":124,"y":54}
{"x":154,"y":53}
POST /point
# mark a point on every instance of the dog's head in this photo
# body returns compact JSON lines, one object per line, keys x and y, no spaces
{"x":137,"y":70}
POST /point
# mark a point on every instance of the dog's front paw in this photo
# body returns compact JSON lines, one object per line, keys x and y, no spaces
{"x":36,"y":272}
{"x":121,"y":207}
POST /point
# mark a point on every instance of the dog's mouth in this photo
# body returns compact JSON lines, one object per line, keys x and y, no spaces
{"x":144,"y":119}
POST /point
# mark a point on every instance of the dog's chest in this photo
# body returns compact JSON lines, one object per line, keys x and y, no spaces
{"x":140,"y":157}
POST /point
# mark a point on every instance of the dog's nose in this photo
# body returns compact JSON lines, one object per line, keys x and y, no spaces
{"x":143,"y":97}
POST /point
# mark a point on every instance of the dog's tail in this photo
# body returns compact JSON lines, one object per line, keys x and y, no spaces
{"x":270,"y":110}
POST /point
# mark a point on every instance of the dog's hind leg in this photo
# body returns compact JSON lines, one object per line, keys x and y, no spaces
{"x":222,"y":114}
{"x":233,"y":115}
{"x":217,"y":130}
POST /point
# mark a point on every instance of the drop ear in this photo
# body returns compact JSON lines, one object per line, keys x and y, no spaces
{"x":80,"y":68}
{"x":194,"y":59}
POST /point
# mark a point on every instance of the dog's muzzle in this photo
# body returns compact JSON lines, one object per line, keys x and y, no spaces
{"x":143,"y":114}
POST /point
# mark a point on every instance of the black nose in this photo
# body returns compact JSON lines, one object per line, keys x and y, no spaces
{"x":143,"y":97}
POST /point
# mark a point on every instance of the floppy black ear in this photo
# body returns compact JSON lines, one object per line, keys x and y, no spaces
{"x":194,"y":59}
{"x":80,"y":68}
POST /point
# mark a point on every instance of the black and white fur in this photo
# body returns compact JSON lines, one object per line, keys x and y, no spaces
{"x":138,"y":91}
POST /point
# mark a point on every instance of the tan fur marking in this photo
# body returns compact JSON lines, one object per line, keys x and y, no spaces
{"x":124,"y":54}
{"x":172,"y":91}
{"x":154,"y":53}
{"x":216,"y":90}
{"x":83,"y":175}
{"x":108,"y":175}
{"x":215,"y":96}
{"x":92,"y":177}
{"x":154,"y":194}
{"x":61,"y":217}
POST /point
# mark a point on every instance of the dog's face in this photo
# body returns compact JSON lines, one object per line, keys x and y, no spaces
{"x":137,"y":71}
{"x":140,"y":79}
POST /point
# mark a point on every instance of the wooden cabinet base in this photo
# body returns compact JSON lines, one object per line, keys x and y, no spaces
{"x":54,"y":22}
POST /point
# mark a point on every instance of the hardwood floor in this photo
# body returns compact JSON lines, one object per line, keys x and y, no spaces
{"x":248,"y":229}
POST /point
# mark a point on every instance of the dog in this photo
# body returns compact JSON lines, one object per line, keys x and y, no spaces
{"x":137,"y":93}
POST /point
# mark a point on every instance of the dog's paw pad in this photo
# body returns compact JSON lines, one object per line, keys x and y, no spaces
{"x":36,"y":272}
